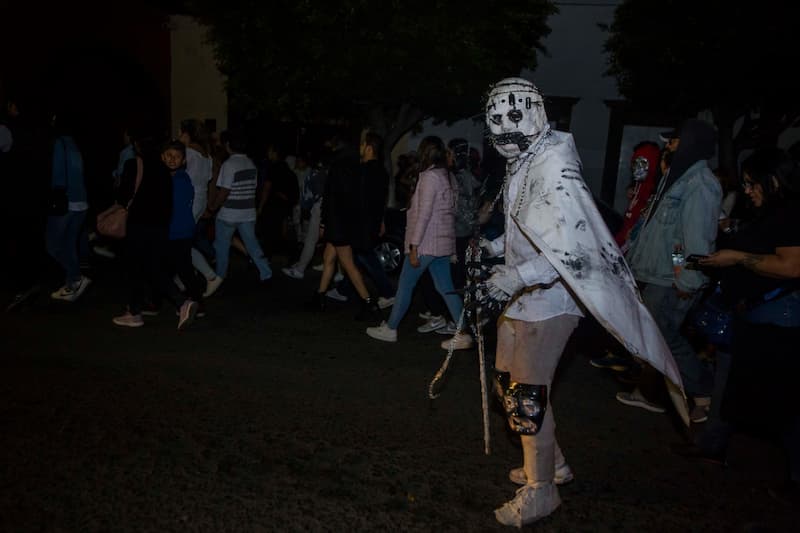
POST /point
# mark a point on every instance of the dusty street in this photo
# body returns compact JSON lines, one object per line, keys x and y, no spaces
{"x":265,"y":417}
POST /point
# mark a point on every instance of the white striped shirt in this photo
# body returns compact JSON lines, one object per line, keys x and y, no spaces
{"x":239,"y":174}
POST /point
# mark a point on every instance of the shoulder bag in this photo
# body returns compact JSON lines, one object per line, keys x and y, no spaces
{"x":113,"y":222}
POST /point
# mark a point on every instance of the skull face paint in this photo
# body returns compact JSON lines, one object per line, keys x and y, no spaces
{"x":644,"y":161}
{"x":515,"y":116}
{"x":639,"y":168}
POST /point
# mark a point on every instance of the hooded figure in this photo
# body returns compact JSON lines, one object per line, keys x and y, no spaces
{"x":682,"y":221}
{"x":560,"y":261}
{"x":644,"y":169}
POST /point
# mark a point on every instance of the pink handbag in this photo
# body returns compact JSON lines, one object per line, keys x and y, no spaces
{"x":113,"y":222}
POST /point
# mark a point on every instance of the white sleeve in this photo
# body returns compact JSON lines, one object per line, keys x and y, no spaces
{"x":497,"y":246}
{"x":6,"y":139}
{"x":225,"y":179}
{"x":537,"y":270}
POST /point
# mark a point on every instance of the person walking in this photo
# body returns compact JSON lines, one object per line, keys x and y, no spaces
{"x":65,"y":221}
{"x":235,"y":206}
{"x":429,"y":243}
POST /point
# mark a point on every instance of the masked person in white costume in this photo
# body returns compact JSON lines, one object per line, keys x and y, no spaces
{"x":560,"y":261}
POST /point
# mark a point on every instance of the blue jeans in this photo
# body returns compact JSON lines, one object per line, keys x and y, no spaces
{"x":439,"y":268}
{"x":222,"y":246}
{"x":62,"y":243}
{"x":669,"y":312}
{"x":783,"y":311}
{"x":717,"y":432}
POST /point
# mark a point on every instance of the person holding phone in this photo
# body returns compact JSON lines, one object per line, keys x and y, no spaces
{"x":759,"y":269}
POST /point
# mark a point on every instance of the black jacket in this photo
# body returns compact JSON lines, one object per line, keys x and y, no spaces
{"x":374,"y":188}
{"x":152,"y":204}
{"x":341,"y":199}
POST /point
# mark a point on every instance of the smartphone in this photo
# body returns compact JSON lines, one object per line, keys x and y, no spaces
{"x":693,"y":261}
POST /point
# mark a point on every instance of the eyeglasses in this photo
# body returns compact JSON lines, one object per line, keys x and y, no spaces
{"x":747,"y":185}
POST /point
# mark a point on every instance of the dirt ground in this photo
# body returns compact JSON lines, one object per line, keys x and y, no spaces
{"x":265,"y":417}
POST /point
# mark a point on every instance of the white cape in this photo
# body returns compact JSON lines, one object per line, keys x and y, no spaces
{"x":562,"y":221}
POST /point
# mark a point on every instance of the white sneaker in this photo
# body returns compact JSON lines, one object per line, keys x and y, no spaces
{"x":334,"y":294}
{"x":383,"y":303}
{"x":562,"y":476}
{"x":462,"y":341}
{"x":383,"y":333}
{"x":128,"y":320}
{"x":338,"y":277}
{"x":433,"y":323}
{"x":425,"y":315}
{"x":212,"y":285}
{"x":532,"y":503}
{"x":70,"y":294}
{"x":449,"y":329}
{"x":292,"y":272}
{"x":319,"y":268}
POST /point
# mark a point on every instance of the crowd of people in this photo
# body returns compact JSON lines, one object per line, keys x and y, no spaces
{"x":687,"y":240}
{"x":189,"y":200}
{"x":718,"y":265}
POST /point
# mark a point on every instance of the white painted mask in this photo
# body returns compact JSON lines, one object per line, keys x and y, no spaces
{"x":515,"y":116}
{"x":639,"y":168}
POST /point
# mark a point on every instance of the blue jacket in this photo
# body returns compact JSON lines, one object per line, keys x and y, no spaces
{"x":68,"y":169}
{"x":686,"y":219}
{"x":181,"y":225}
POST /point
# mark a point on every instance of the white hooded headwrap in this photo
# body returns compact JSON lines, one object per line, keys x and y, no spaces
{"x":515,"y":115}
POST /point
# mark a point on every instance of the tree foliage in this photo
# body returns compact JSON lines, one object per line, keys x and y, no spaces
{"x":733,"y":58}
{"x":393,"y":61}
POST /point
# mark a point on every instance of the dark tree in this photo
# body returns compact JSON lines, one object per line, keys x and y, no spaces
{"x":385,"y":64}
{"x":736,"y":59}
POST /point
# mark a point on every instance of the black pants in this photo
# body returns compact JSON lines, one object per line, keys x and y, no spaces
{"x":146,"y":249}
{"x":271,"y":226}
{"x":179,"y":257}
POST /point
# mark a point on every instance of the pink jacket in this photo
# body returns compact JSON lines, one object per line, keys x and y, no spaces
{"x":430,"y":220}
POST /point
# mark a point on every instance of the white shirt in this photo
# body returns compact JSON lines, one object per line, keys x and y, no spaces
{"x":199,"y":168}
{"x":239,"y":174}
{"x":541,"y":303}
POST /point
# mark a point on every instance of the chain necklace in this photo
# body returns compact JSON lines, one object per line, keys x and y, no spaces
{"x":513,"y":167}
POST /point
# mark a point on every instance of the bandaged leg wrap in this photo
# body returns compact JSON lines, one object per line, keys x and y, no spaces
{"x":538,"y":453}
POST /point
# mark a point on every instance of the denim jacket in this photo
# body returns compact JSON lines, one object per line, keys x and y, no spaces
{"x":685,"y":221}
{"x":68,"y":170}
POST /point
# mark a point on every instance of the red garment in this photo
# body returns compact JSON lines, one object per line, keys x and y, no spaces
{"x":642,"y":191}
